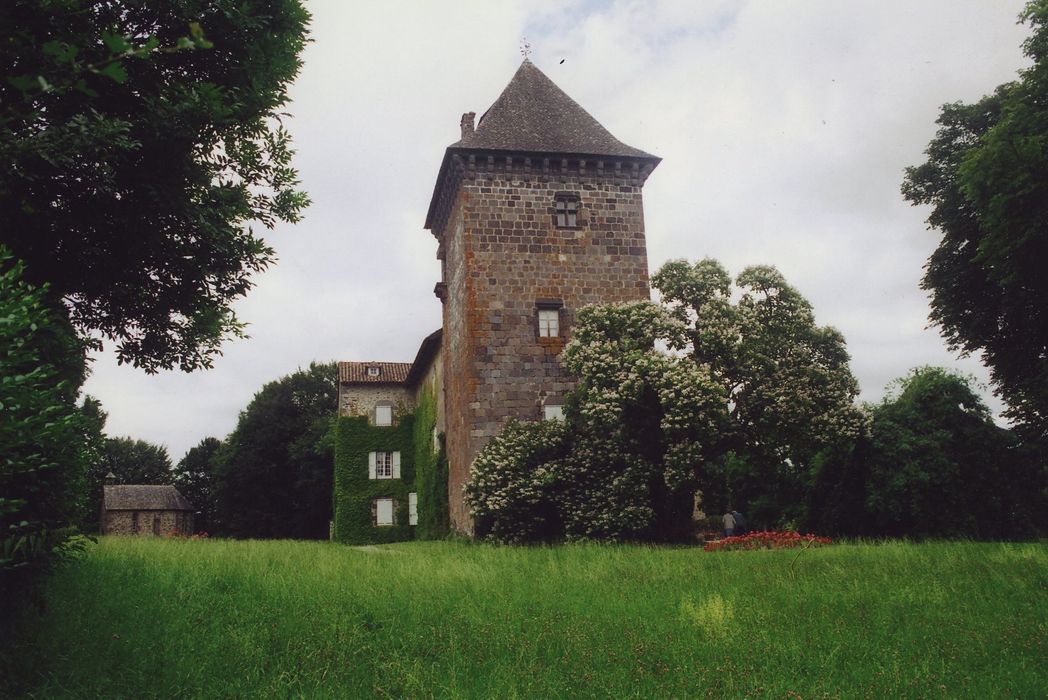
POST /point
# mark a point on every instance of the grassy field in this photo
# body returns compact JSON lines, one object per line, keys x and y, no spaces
{"x":160,"y":618}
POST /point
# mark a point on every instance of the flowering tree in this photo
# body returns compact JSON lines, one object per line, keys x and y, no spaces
{"x":664,"y":393}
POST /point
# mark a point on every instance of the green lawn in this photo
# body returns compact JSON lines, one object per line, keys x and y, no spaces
{"x":160,"y":618}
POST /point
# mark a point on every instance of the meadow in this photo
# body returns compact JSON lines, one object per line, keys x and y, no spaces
{"x":160,"y":618}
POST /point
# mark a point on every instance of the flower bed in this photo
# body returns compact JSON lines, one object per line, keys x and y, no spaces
{"x":767,"y":540}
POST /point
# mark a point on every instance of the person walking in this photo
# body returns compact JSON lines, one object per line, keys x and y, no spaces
{"x":729,"y":524}
{"x":740,"y":522}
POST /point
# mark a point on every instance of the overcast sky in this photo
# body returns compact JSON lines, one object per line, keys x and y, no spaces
{"x":784,"y":129}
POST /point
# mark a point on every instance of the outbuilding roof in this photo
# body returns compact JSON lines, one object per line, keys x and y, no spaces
{"x":373,"y":372}
{"x":143,"y":497}
{"x":533,"y":115}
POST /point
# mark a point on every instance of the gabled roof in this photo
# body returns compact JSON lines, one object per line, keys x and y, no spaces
{"x":533,"y":115}
{"x":388,"y":372}
{"x":143,"y":497}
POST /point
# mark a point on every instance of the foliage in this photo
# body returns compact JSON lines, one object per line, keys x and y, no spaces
{"x":194,"y":476}
{"x":236,"y":619}
{"x":137,"y":461}
{"x":752,"y":377}
{"x":354,"y":491}
{"x":134,"y":154}
{"x":836,"y":501}
{"x":986,"y":182}
{"x":43,"y":447}
{"x":273,"y":477}
{"x":431,"y":469}
{"x":41,"y":454}
{"x":766,"y":540}
{"x":940,"y":467}
{"x":514,"y":489}
{"x":933,"y":465}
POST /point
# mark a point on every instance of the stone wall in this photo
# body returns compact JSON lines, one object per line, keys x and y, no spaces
{"x":502,"y":256}
{"x":121,"y":522}
{"x":360,"y":399}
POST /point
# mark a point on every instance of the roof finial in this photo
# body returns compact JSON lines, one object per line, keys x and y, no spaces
{"x":525,"y":48}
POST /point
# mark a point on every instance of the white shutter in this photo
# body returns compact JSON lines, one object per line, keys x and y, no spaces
{"x":412,"y":508}
{"x":384,"y":511}
{"x":396,"y":465}
{"x":371,"y":465}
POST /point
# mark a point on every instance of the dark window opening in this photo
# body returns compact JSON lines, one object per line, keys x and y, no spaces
{"x":567,"y":208}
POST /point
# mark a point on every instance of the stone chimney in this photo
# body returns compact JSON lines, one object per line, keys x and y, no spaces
{"x":467,"y":123}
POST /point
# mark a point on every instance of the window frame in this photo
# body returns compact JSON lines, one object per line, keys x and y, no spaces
{"x":382,"y":405}
{"x":383,"y":465}
{"x":385,"y":458}
{"x":566,"y":209}
{"x":549,"y":323}
{"x":392,"y":511}
{"x":548,"y":305}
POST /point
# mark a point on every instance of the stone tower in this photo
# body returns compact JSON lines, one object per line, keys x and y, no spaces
{"x":537,"y":211}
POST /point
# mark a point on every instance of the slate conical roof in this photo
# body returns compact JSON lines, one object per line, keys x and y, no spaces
{"x":533,"y":115}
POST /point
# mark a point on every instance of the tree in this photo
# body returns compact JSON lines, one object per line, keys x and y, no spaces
{"x":934,"y":465}
{"x":137,"y":461}
{"x":274,"y":474}
{"x":987,"y":183}
{"x":194,"y":477}
{"x":133,"y":159}
{"x":646,"y":428}
{"x":43,"y":451}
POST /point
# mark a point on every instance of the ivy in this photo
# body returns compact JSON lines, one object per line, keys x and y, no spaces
{"x":431,"y":471}
{"x":354,"y":491}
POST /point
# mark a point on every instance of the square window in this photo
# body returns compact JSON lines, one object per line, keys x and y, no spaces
{"x":549,"y":323}
{"x":567,"y":211}
{"x":383,"y":415}
{"x":412,"y":508}
{"x":552,"y":412}
{"x":384,"y":512}
{"x":374,"y":371}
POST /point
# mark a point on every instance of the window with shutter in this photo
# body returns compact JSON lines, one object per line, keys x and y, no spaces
{"x":412,"y":508}
{"x":383,"y":414}
{"x":383,"y":509}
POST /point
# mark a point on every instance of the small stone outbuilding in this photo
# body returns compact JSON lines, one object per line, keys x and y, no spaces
{"x":145,"y":510}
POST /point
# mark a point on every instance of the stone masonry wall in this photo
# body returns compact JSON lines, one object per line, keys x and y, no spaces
{"x":360,"y":399}
{"x":502,"y":254}
{"x":121,"y":522}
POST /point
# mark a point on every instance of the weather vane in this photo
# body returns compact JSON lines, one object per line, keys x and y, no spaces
{"x":525,"y":47}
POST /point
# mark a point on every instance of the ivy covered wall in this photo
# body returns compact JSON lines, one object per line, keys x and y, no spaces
{"x":354,"y":492}
{"x":431,"y":469}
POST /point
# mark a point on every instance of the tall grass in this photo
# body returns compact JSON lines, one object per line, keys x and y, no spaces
{"x":155,"y":618}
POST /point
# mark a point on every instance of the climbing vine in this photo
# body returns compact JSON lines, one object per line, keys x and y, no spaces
{"x":354,"y":492}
